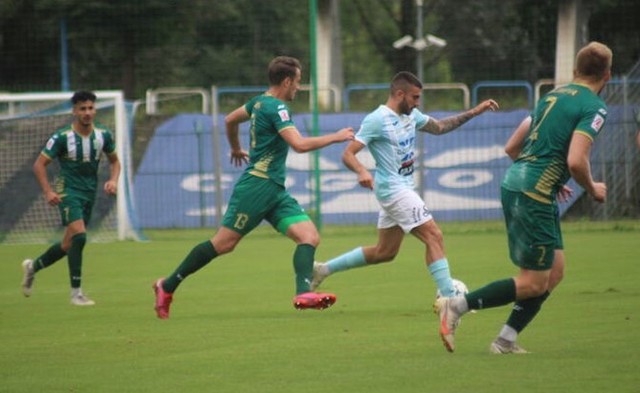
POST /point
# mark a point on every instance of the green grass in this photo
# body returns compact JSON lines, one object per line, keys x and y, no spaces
{"x":233,"y":328}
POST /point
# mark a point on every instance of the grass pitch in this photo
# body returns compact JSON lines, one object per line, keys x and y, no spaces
{"x":233,"y":328}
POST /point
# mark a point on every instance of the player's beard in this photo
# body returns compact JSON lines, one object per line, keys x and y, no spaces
{"x":404,"y":107}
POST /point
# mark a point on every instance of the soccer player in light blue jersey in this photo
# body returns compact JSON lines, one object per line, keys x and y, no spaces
{"x":550,"y":146}
{"x":78,"y":147}
{"x":389,"y":133}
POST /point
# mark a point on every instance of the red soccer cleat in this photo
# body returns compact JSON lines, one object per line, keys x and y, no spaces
{"x":318,"y":301}
{"x":163,"y":300}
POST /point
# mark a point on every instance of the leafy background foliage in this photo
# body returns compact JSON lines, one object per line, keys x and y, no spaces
{"x":138,"y":45}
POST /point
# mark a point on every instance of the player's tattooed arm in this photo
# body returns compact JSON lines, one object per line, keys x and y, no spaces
{"x":448,"y":124}
{"x":438,"y":127}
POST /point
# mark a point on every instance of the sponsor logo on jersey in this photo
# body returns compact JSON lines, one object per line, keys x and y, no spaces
{"x":284,"y":115}
{"x":597,"y":123}
{"x":406,"y":169}
{"x":50,"y":143}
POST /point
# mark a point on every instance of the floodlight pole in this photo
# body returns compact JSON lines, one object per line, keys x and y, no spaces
{"x":419,"y":73}
{"x":64,"y":57}
{"x":419,"y":33}
{"x":420,"y":43}
{"x":315,"y":129}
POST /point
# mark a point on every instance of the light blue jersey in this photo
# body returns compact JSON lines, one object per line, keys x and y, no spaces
{"x":391,"y":139}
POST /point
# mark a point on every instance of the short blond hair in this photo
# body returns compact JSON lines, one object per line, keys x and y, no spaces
{"x":593,"y":61}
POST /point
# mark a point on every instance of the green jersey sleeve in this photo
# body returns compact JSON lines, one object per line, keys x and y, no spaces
{"x":591,"y":123}
{"x":55,"y":146}
{"x":109,"y":146}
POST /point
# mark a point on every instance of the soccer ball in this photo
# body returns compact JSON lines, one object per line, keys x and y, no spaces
{"x":459,"y":288}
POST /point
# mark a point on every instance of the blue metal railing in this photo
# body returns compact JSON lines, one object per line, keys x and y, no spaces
{"x":502,"y":84}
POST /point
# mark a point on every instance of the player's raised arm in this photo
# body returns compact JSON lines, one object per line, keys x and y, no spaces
{"x":448,"y":124}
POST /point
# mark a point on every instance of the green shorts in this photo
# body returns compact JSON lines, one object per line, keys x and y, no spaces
{"x":75,"y":207}
{"x":533,"y":230}
{"x":255,"y":199}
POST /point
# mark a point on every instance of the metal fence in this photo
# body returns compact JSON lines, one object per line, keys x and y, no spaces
{"x":616,"y":157}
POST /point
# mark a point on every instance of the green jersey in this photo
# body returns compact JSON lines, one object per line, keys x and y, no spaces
{"x":268,"y":150}
{"x":79,"y":157}
{"x":541,"y":168}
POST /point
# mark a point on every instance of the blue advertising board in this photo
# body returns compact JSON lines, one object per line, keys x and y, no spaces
{"x":460,"y":172}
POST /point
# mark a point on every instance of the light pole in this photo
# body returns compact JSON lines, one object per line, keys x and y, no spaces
{"x":419,"y":33}
{"x":420,"y":44}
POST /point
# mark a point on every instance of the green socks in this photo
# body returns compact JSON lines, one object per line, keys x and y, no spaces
{"x":498,"y":293}
{"x":51,"y":256}
{"x":303,"y":267}
{"x":74,"y":257}
{"x":204,"y":252}
{"x":525,"y":310}
{"x":199,"y":256}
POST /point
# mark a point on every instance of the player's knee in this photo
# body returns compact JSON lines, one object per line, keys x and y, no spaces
{"x":65,"y":245}
{"x":558,"y":276}
{"x":224,"y":246}
{"x":555,"y":278}
{"x":435,"y":236}
{"x":534,"y":289}
{"x":312,"y":238}
{"x":304,"y":233}
{"x":540,"y":290}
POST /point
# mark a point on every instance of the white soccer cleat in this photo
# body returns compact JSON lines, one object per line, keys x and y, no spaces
{"x":320,"y":272}
{"x":449,"y":320}
{"x":459,"y":288}
{"x":27,"y":277}
{"x":500,"y":346}
{"x":80,"y":299}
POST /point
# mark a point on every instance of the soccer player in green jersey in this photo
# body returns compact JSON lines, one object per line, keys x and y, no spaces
{"x":552,"y":145}
{"x":78,"y":148}
{"x":259,"y":194}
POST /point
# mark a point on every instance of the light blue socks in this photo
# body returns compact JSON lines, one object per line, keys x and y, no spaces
{"x":355,"y":258}
{"x":442,"y":276}
{"x":346,"y":261}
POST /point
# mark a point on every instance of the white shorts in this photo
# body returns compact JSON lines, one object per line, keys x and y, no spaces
{"x":407,"y":210}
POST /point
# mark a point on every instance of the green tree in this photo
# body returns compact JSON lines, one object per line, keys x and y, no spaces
{"x":29,"y":50}
{"x":108,"y":40}
{"x":138,"y":45}
{"x":616,"y":23}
